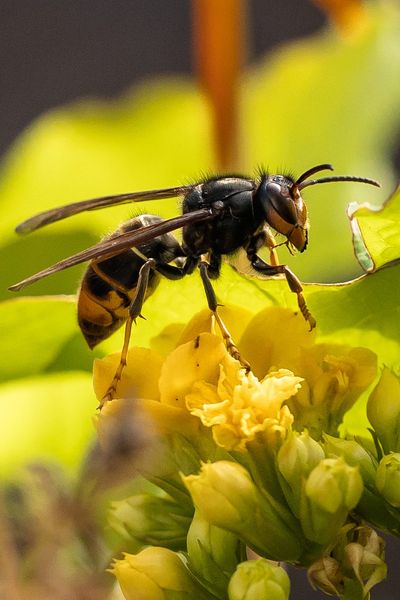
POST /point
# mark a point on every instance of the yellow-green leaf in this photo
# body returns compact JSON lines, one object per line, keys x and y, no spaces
{"x":376,"y":232}
{"x":46,"y":418}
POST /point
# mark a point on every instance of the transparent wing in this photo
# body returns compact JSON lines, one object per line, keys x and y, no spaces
{"x":110,"y":247}
{"x":63,"y":212}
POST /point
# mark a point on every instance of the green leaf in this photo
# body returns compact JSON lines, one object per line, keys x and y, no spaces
{"x":46,"y":418}
{"x":376,"y":232}
{"x":35,"y":333}
{"x":19,"y":258}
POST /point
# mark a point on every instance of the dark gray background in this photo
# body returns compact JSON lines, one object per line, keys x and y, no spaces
{"x":54,"y":51}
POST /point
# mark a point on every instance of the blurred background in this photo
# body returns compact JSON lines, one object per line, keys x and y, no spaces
{"x":56,"y":52}
{"x":121,"y":80}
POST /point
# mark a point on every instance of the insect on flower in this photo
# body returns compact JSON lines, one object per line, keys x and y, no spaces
{"x":220,"y":215}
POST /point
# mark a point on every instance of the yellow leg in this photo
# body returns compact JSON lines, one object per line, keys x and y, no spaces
{"x":134,"y":312}
{"x":229,"y":343}
{"x":213,"y":306}
{"x":112,"y":389}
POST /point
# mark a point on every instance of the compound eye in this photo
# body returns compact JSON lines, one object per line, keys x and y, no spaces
{"x":274,"y":189}
{"x":281,"y":201}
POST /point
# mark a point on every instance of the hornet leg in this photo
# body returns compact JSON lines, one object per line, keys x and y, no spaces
{"x":134,"y":312}
{"x":213,"y":306}
{"x":294,"y":283}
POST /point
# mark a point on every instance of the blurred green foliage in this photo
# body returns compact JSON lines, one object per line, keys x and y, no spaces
{"x":323,"y":99}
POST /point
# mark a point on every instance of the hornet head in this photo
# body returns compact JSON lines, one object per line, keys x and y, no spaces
{"x":283,"y":205}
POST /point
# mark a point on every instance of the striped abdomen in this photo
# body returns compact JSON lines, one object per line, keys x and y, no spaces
{"x":109,"y":286}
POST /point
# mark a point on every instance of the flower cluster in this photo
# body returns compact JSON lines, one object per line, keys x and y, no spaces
{"x":248,"y":468}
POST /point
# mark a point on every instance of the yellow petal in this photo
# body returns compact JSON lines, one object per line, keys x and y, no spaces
{"x":227,"y":436}
{"x":240,"y":406}
{"x":197,"y":360}
{"x":139,"y":378}
{"x":205,"y":403}
{"x":131,"y":580}
{"x":274,"y":338}
{"x":235,"y":318}
{"x":153,"y":574}
{"x":170,"y":419}
{"x":167,"y":339}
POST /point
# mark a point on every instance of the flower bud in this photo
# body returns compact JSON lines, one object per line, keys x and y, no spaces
{"x":372,"y":506}
{"x":354,"y":453}
{"x":364,"y":558}
{"x":325,"y":574}
{"x":151,"y":520}
{"x":256,"y":579}
{"x":213,"y":553}
{"x":383,"y":410}
{"x":355,"y":564}
{"x":156,"y":574}
{"x":388,"y":478}
{"x":332,"y":489}
{"x":297,"y":457}
{"x":227,"y":497}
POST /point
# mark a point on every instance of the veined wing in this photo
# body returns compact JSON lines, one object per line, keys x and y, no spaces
{"x":110,"y":247}
{"x":63,"y":212}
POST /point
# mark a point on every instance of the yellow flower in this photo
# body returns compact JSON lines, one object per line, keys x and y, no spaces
{"x":155,"y":574}
{"x":139,"y":378}
{"x":335,"y":376}
{"x":200,"y":376}
{"x":240,"y":406}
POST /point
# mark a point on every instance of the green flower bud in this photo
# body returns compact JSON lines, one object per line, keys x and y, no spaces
{"x":388,"y":478}
{"x":354,"y":454}
{"x":227,"y":497}
{"x":156,"y":574}
{"x":256,"y":579}
{"x":213,"y":553}
{"x":372,"y":506}
{"x":332,"y":489}
{"x":151,"y":520}
{"x":297,"y":457}
{"x":383,"y":410}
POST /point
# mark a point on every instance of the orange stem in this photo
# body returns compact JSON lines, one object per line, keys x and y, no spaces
{"x":219,"y":44}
